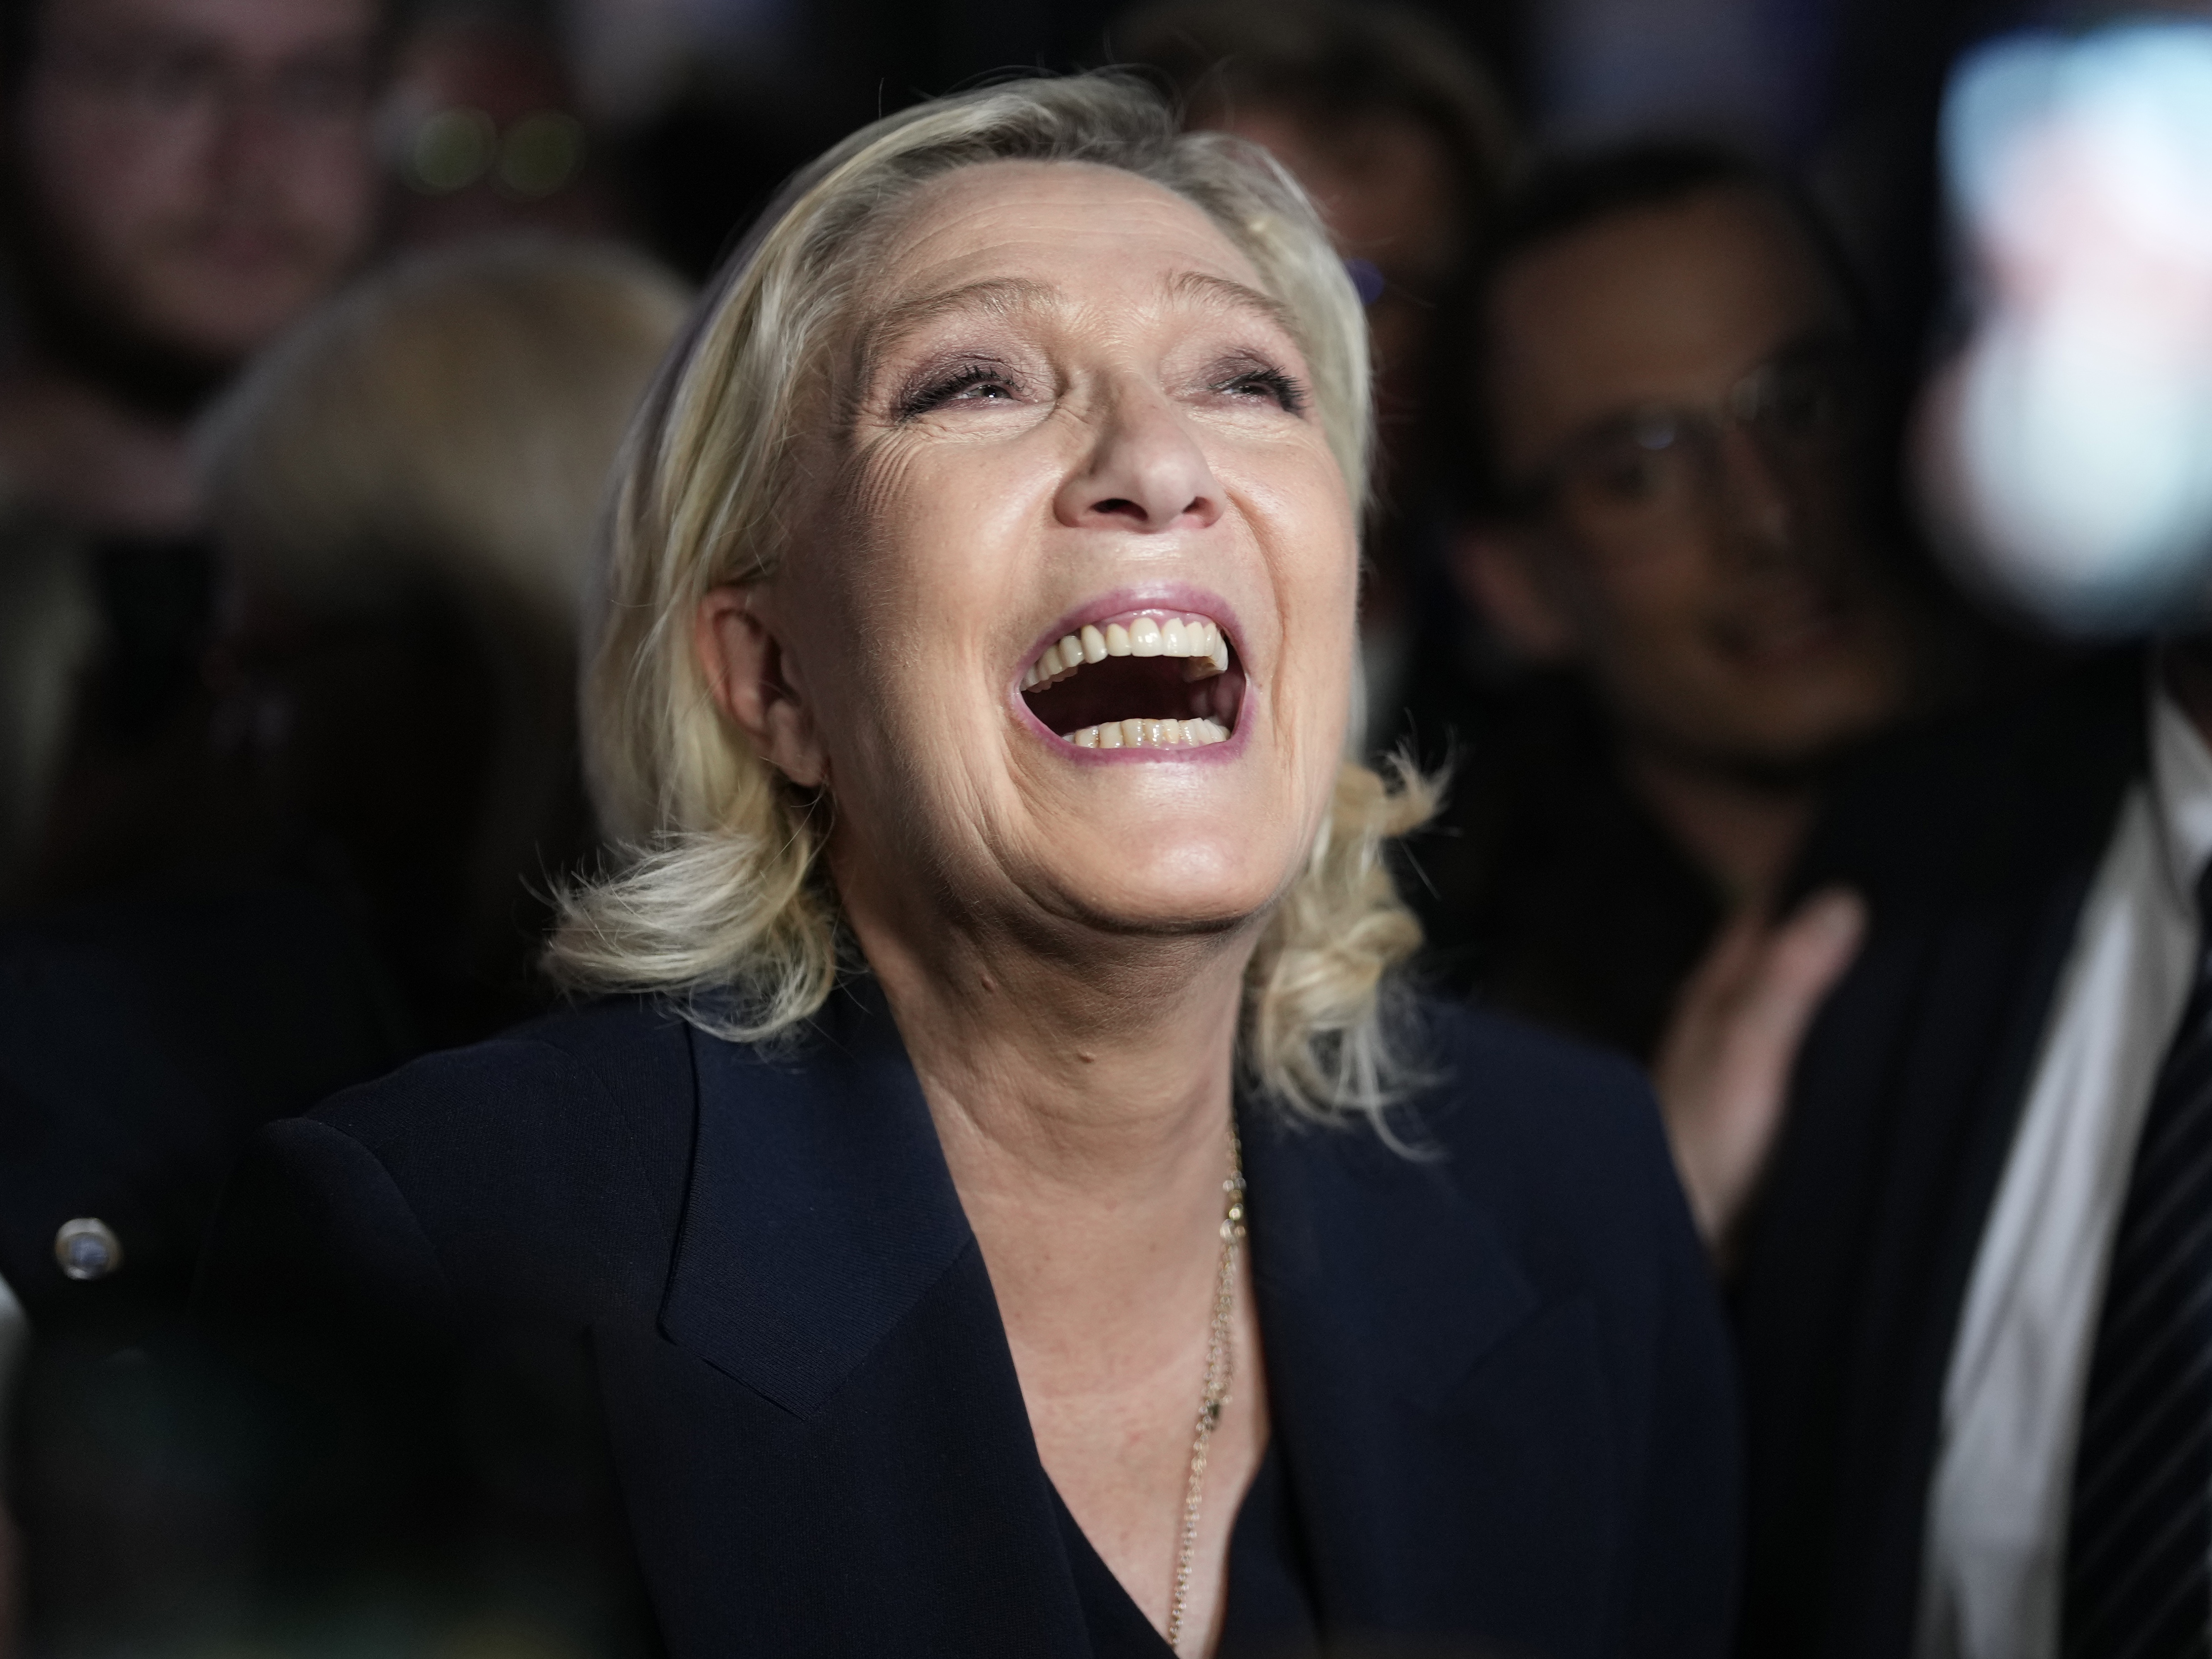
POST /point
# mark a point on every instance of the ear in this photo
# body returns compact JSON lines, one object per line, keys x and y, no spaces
{"x":748,"y":674}
{"x":1496,"y":569}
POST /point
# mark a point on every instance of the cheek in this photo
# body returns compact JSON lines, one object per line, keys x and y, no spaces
{"x":1300,"y":511}
{"x":106,"y":180}
{"x":1311,"y":543}
{"x":942,"y":542}
{"x":889,"y":613}
{"x":1660,"y":586}
{"x":331,"y":185}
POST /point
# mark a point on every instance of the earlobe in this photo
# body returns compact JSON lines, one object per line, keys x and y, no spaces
{"x":1495,"y":570}
{"x":747,"y":673}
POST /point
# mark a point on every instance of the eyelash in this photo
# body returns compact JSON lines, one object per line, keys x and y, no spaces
{"x":1274,"y":383}
{"x":933,"y":394}
{"x":1271,"y":383}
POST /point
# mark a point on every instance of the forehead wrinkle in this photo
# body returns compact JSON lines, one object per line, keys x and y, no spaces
{"x":997,"y":296}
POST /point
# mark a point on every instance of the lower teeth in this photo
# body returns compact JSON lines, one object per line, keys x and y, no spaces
{"x":1149,"y":734}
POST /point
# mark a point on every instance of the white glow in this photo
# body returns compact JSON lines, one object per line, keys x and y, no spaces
{"x":2069,"y":448}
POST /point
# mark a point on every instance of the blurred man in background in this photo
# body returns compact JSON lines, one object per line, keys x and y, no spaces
{"x":1661,"y":452}
{"x":1971,"y":1308}
{"x":1403,"y":141}
{"x":181,"y":180}
{"x":185,"y":178}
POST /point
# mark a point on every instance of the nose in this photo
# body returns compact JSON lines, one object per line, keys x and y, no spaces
{"x":1762,"y":507}
{"x":249,"y":144}
{"x":1145,"y":471}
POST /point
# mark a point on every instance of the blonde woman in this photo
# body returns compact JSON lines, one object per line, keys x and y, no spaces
{"x":1005,"y":1199}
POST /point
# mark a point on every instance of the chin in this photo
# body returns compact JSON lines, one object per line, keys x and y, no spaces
{"x":1207,"y":883}
{"x":227,"y":314}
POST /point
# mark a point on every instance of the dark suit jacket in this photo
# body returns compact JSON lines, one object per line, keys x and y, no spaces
{"x":1498,"y":1376}
{"x":1547,"y":888}
{"x":143,"y":1040}
{"x":1975,"y":847}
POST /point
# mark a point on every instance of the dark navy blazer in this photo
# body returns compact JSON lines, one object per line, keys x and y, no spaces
{"x":1975,"y":845}
{"x":1498,"y":1377}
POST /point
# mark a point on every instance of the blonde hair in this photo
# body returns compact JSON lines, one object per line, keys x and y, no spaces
{"x":720,"y":900}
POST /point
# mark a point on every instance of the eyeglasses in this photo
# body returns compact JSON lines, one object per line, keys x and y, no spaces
{"x":169,"y":81}
{"x":1664,"y":461}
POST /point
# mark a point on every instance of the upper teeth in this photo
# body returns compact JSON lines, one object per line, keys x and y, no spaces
{"x":1192,"y":637}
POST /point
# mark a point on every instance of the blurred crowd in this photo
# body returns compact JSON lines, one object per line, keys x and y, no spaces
{"x":322,"y":326}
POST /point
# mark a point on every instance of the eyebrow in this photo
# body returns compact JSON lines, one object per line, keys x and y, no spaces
{"x":1226,"y":294}
{"x":1005,"y":296}
{"x":999,"y":295}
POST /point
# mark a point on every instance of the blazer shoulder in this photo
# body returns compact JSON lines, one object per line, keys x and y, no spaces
{"x":629,"y":1050}
{"x":1490,"y":1070}
{"x":587,"y":1112}
{"x":1552,"y":1136}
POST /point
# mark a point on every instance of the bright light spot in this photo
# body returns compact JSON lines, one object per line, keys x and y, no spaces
{"x":2069,"y":450}
{"x":452,"y":149}
{"x":541,"y":153}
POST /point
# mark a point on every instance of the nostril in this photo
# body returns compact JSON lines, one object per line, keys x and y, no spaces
{"x":1118,"y":507}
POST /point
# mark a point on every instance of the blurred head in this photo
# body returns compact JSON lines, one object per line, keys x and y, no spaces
{"x":994,"y":537}
{"x":1397,"y":134}
{"x":407,"y":491}
{"x":190,"y":176}
{"x":1662,"y":438}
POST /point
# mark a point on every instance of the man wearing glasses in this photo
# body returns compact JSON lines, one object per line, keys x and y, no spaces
{"x":185,"y":178}
{"x":180,"y":181}
{"x":1664,"y":427}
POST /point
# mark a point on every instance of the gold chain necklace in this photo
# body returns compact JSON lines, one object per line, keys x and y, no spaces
{"x":1220,"y":1371}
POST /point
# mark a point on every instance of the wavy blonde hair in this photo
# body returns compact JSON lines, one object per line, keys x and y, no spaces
{"x":720,"y":897}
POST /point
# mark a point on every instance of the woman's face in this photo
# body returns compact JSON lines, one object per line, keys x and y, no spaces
{"x":1068,"y":617}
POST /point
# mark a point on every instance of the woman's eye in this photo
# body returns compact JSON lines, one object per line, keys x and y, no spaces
{"x":1271,"y":385}
{"x":976,"y":385}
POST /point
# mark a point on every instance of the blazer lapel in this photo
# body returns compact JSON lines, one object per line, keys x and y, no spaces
{"x":867,"y":1405}
{"x":1422,"y":1391}
{"x":820,"y":1208}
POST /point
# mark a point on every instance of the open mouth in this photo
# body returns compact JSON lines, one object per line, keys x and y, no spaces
{"x":1144,"y":679}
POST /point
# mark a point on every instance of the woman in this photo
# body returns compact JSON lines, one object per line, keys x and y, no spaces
{"x":973,"y":686}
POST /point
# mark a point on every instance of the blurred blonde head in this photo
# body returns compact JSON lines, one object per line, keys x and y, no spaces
{"x":721,"y":899}
{"x":442,"y":435}
{"x":456,"y":415}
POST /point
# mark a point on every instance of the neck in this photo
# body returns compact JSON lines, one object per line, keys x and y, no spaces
{"x":1744,"y":832}
{"x":81,"y":454}
{"x":1087,"y":1065}
{"x":1081,"y":1089}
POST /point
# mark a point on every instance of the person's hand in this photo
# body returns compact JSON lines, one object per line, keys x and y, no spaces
{"x":1723,"y":1072}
